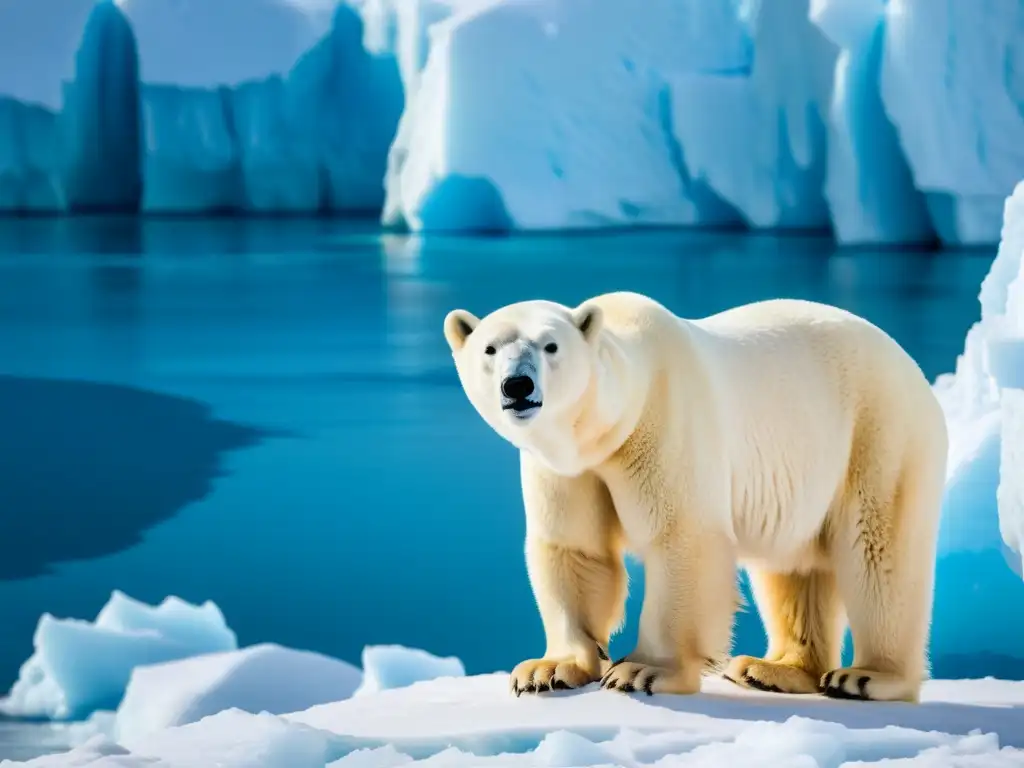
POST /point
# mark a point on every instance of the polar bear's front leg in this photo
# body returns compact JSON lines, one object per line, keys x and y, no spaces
{"x":578,"y":577}
{"x":687,"y":615}
{"x":580,"y":598}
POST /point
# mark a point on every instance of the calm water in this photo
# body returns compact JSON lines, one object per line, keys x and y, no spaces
{"x":265,"y":414}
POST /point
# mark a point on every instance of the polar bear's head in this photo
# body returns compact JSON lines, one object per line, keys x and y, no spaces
{"x":526,"y":366}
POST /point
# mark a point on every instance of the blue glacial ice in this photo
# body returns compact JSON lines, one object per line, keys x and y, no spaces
{"x":886,"y":120}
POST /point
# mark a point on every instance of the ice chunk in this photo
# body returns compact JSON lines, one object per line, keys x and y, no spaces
{"x":260,"y":678}
{"x":953,"y":84}
{"x":574,"y":129}
{"x":394,"y":666}
{"x":758,"y":138}
{"x":80,"y":666}
{"x":869,"y":187}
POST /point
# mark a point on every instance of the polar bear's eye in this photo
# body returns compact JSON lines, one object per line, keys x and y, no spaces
{"x":551,"y":348}
{"x":489,"y":350}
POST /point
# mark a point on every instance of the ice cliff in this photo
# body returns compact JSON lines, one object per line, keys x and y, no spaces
{"x":888,"y":121}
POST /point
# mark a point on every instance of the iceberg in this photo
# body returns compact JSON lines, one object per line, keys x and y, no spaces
{"x":79,"y":667}
{"x":259,"y":678}
{"x":953,"y":85}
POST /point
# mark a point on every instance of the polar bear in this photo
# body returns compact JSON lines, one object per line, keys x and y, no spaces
{"x":791,"y":438}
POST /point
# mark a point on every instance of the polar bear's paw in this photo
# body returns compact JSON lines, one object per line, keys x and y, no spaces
{"x":867,"y":685}
{"x":630,"y":676}
{"x":540,"y":675}
{"x":772,"y":676}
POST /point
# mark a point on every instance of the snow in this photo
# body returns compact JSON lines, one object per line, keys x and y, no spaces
{"x":259,"y":678}
{"x":394,"y":666}
{"x":475,"y":721}
{"x":81,"y":666}
{"x":953,"y":84}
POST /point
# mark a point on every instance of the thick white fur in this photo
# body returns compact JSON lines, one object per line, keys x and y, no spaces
{"x":792,"y":438}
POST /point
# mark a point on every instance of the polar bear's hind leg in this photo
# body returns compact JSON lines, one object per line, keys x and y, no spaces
{"x":803,"y":619}
{"x":884,"y":558}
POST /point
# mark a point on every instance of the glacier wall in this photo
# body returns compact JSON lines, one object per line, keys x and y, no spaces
{"x":884,"y":120}
{"x":176,"y":106}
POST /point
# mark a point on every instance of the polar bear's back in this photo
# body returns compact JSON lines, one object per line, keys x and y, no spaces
{"x":799,"y":392}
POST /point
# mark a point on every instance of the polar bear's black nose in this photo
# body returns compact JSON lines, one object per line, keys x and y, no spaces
{"x":517,"y":387}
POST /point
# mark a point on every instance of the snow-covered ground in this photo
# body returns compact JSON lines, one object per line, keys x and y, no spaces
{"x":898,"y":120}
{"x":475,"y":721}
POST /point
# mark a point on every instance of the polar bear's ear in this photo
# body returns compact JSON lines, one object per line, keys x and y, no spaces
{"x":588,"y":318}
{"x":458,"y":324}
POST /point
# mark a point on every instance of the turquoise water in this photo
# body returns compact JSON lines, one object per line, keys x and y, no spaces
{"x":265,"y":414}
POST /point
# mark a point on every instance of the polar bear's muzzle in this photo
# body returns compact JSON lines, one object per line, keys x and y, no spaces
{"x":520,"y":396}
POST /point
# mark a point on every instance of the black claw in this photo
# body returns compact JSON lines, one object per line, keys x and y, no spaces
{"x":648,"y":685}
{"x":541,"y":688}
{"x":842,"y":681}
{"x":755,"y":683}
{"x":602,"y":654}
{"x":559,"y":685}
{"x":628,"y":688}
{"x":839,"y":693}
{"x":827,"y":682}
{"x":862,"y":686}
{"x":730,"y":679}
